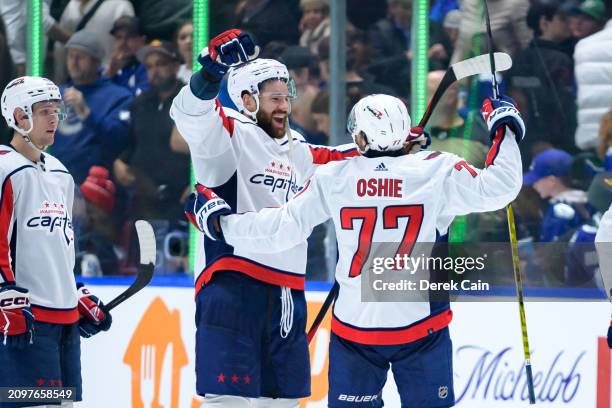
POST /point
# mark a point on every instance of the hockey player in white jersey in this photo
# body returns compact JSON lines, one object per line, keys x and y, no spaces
{"x":386,"y":195}
{"x":41,"y":309}
{"x":250,"y":307}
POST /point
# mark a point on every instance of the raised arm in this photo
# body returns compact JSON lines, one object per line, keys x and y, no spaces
{"x":268,"y":231}
{"x":469,"y":190}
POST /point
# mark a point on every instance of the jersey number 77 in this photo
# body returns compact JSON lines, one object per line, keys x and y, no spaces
{"x":369,"y":217}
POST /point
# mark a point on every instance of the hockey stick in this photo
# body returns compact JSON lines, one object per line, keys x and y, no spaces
{"x":323,"y":311}
{"x":513,"y":241}
{"x":481,"y":64}
{"x":146,"y":241}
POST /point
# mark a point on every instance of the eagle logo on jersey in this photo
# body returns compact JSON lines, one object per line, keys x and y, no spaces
{"x":378,"y":114}
{"x":52,"y":217}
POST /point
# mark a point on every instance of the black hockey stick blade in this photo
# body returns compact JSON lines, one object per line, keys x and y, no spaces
{"x":481,"y":64}
{"x":323,"y":311}
{"x":146,"y":242}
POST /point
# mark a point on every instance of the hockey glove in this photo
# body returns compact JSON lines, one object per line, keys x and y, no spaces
{"x":228,"y":49}
{"x":419,"y":135}
{"x":203,"y":209}
{"x":502,"y":112}
{"x":93,"y":316}
{"x":16,"y":319}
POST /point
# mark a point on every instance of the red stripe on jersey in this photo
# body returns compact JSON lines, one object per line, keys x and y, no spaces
{"x":433,"y":155}
{"x":386,"y":337}
{"x":6,"y":214}
{"x":228,"y":123}
{"x":252,"y":269}
{"x":324,"y":155}
{"x":59,"y":316}
{"x":494,"y":150}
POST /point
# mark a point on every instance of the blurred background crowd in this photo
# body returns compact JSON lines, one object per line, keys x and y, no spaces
{"x":121,"y":62}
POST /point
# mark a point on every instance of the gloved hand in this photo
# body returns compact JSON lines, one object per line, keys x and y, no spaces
{"x":93,"y":316}
{"x":228,"y":49}
{"x":419,"y":135}
{"x":502,"y":112}
{"x":16,"y":318}
{"x":203,"y":209}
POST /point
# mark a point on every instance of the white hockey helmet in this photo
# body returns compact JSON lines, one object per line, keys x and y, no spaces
{"x":24,"y":92}
{"x":383,"y":119}
{"x":247,"y":78}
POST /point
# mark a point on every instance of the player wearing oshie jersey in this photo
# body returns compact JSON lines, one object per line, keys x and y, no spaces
{"x":42,"y":309}
{"x":385,"y":195}
{"x":250,"y":307}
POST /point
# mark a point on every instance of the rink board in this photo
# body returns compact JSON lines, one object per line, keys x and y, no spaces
{"x":570,"y":359}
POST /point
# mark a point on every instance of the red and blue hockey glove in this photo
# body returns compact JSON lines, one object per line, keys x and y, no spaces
{"x":16,"y":319}
{"x":502,"y":112}
{"x":228,"y":49}
{"x":203,"y":209}
{"x":93,"y":316}
{"x":419,"y":135}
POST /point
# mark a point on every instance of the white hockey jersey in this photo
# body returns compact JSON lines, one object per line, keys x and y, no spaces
{"x":36,"y":236}
{"x":378,"y":200}
{"x":250,"y":170}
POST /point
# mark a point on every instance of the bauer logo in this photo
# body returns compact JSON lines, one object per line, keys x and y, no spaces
{"x":52,"y":218}
{"x":357,"y":398}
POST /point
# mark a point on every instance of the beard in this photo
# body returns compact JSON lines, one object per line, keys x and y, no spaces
{"x":163,"y":85}
{"x":265,"y":121}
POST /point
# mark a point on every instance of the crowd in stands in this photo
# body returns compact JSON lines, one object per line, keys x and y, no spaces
{"x":120,"y":63}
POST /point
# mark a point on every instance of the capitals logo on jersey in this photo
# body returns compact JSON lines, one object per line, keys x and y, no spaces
{"x":52,"y":218}
{"x":277,"y":176}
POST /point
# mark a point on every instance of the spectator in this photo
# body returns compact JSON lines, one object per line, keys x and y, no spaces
{"x":581,"y":260}
{"x":14,"y":14}
{"x":593,"y":59}
{"x":159,"y":18}
{"x":447,"y":128}
{"x":390,"y":39}
{"x":441,"y":8}
{"x":123,"y":68}
{"x":590,"y":17}
{"x":157,"y":189}
{"x":451,"y":24}
{"x":97,"y":254}
{"x":542,"y":79}
{"x":268,"y":20}
{"x":315,"y":24}
{"x":567,"y":209}
{"x":298,"y":61}
{"x":508,"y":23}
{"x":605,"y":141}
{"x":319,"y":109}
{"x":184,"y":44}
{"x":96,"y":129}
{"x":78,"y":16}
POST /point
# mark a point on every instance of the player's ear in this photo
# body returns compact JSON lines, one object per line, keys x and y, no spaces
{"x":21,"y":118}
{"x":249,"y":102}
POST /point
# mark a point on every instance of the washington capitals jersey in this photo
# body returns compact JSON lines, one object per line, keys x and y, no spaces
{"x":36,"y":236}
{"x":250,"y":170}
{"x":399,"y":200}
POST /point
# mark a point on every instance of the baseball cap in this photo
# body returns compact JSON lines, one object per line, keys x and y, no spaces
{"x":592,"y":8}
{"x":162,"y":47}
{"x":600,"y":191}
{"x":550,"y":162}
{"x":88,"y":42}
{"x":98,"y":189}
{"x":129,"y":23}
